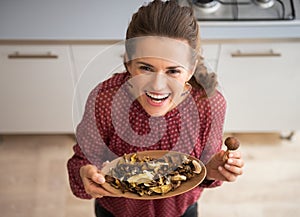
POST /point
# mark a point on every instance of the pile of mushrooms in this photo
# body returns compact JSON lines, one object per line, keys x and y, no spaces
{"x":147,"y":176}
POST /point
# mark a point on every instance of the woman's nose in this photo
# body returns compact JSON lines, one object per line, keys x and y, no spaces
{"x":158,"y":81}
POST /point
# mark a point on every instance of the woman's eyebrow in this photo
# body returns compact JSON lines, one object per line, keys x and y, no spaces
{"x":174,"y":67}
{"x":149,"y":65}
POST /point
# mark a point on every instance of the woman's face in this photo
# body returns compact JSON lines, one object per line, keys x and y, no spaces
{"x":158,"y":83}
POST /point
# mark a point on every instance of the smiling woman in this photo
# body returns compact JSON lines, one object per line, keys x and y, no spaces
{"x":161,"y":84}
{"x":165,"y":100}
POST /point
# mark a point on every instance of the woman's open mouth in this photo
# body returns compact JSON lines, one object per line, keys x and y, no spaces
{"x":157,"y":99}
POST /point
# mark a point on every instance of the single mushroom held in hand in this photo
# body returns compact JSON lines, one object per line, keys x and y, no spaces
{"x":232,"y":144}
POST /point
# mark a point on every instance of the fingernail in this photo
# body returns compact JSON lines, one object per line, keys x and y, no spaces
{"x":101,"y":179}
{"x":227,"y":166}
{"x":230,"y":161}
{"x":220,"y":168}
{"x":230,"y":155}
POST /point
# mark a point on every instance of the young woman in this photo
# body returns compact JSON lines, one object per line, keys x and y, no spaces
{"x":165,"y":100}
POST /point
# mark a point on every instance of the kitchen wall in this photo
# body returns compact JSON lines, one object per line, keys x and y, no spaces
{"x":107,"y":20}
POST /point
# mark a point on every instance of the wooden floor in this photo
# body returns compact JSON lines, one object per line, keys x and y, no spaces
{"x":34,"y":181}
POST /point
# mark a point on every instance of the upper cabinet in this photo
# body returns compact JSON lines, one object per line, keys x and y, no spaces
{"x":36,"y":89}
{"x":261,"y":84}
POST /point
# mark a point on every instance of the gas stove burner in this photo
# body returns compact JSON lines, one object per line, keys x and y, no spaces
{"x":207,"y":6}
{"x":244,"y":10}
{"x":265,"y":3}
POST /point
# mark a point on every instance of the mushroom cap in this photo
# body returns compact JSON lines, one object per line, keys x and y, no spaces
{"x":232,"y":143}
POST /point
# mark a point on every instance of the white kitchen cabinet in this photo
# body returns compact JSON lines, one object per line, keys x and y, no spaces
{"x":94,"y":64}
{"x":36,"y":89}
{"x":261,"y":84}
{"x":210,"y":53}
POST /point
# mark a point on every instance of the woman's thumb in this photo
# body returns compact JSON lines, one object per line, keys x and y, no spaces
{"x":98,"y":178}
{"x":220,"y":155}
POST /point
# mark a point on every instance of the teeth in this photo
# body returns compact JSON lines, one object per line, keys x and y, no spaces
{"x":158,"y":97}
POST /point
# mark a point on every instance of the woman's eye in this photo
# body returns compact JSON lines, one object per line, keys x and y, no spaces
{"x":146,"y":68}
{"x":173,"y":71}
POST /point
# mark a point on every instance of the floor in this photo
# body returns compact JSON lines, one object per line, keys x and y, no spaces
{"x":34,"y":180}
{"x":270,"y":185}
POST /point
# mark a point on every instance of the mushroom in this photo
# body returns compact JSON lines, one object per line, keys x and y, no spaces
{"x":232,"y":144}
{"x":197,"y":167}
{"x":178,"y":178}
{"x":163,"y":189}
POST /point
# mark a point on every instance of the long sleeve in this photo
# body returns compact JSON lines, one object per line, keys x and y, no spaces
{"x":74,"y":164}
{"x":91,"y":145}
{"x":214,"y":133}
{"x":81,"y":149}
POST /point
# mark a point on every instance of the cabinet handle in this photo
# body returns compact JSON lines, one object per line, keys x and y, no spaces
{"x":17,"y":55}
{"x":271,"y":53}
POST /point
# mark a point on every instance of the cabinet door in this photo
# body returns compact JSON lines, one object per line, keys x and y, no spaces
{"x":94,"y":64}
{"x":36,"y":89}
{"x":261,"y":84}
{"x":211,"y":52}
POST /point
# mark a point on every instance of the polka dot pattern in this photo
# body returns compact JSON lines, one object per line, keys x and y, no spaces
{"x":182,"y":129}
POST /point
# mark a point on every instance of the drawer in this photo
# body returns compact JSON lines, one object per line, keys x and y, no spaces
{"x":36,"y":89}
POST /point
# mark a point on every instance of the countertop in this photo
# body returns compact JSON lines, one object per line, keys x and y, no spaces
{"x":108,"y":20}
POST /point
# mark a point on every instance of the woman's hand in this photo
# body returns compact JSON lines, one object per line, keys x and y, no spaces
{"x":93,"y":180}
{"x":229,"y":170}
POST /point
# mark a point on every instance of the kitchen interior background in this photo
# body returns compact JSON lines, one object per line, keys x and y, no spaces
{"x":46,"y":45}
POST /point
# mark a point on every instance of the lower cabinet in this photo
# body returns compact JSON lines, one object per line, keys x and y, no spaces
{"x":92,"y":65}
{"x":43,"y":88}
{"x":261,"y":84}
{"x":36,"y":89}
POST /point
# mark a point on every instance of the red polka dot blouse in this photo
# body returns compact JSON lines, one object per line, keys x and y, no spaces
{"x":114,"y":123}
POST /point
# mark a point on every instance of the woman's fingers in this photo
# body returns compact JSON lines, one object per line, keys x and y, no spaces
{"x":229,"y":176}
{"x":235,"y":162}
{"x":233,"y":166}
{"x":235,"y":154}
{"x":233,"y":169}
{"x":93,"y":180}
{"x":91,"y":172}
{"x":88,"y":171}
{"x":96,"y":191}
{"x":98,"y":178}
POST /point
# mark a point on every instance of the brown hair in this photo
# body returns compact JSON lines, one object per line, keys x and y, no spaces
{"x":168,"y":19}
